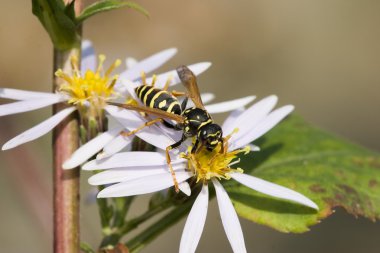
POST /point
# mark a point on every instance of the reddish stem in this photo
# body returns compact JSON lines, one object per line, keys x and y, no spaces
{"x":66,"y":182}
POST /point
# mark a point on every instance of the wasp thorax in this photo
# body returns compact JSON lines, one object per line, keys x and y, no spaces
{"x":195,"y":119}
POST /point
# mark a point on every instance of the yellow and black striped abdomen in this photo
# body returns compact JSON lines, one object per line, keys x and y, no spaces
{"x":159,"y":99}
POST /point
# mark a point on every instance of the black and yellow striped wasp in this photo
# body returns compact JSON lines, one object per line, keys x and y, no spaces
{"x":194,"y":122}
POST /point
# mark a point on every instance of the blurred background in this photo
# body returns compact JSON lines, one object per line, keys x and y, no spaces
{"x":321,"y":56}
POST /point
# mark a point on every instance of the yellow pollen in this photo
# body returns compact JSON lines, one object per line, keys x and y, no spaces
{"x":131,"y":101}
{"x":215,"y":164}
{"x":92,"y":87}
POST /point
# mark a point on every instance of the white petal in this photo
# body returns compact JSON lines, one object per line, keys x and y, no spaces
{"x":114,"y":146}
{"x":207,"y":97}
{"x":143,"y":185}
{"x":264,"y":126}
{"x":195,"y":222}
{"x":185,"y":188}
{"x":89,"y":149}
{"x":229,"y":105}
{"x":24,"y":95}
{"x":39,"y":130}
{"x":132,"y":120}
{"x":254,"y":148}
{"x":250,"y":117}
{"x":28,"y":105}
{"x":130,"y":159}
{"x":231,"y":119}
{"x":197,"y":69}
{"x":130,"y":62}
{"x":127,"y":87}
{"x":112,"y":123}
{"x":88,"y":57}
{"x":230,"y":219}
{"x":126,"y":174}
{"x":272,"y":189}
{"x":148,"y":64}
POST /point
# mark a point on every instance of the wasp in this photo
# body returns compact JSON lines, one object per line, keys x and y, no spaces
{"x":194,"y":122}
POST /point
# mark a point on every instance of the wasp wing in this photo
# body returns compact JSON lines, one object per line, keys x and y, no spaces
{"x":189,"y":80}
{"x":152,"y":111}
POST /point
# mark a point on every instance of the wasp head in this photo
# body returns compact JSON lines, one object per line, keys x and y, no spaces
{"x":210,"y":135}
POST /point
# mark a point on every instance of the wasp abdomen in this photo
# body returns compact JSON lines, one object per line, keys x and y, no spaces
{"x":159,"y":99}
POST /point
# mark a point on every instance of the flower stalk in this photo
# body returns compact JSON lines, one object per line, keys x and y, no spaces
{"x":142,"y":239}
{"x":66,"y":182}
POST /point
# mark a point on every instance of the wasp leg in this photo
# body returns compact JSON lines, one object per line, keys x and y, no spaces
{"x":184,"y":104}
{"x":195,"y":146}
{"x":169,"y":161}
{"x":222,"y":147}
{"x":146,"y":124}
{"x":176,"y":127}
{"x":168,"y":125}
{"x":178,"y":93}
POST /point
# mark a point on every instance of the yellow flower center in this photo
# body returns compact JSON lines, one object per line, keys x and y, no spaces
{"x":89,"y":88}
{"x":208,"y":164}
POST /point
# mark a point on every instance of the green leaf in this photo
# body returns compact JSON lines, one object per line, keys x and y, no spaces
{"x":70,"y":10}
{"x":329,"y":170}
{"x":107,"y":5}
{"x":57,"y":21}
{"x":85,"y":247}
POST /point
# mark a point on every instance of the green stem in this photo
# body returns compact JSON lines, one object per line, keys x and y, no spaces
{"x":121,"y":227}
{"x":122,"y":206}
{"x":141,"y":240}
{"x":113,"y":232}
{"x":134,"y":223}
{"x":104,"y":210}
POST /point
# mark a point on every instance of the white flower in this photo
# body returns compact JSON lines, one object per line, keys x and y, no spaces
{"x":87,"y":91}
{"x":146,"y":172}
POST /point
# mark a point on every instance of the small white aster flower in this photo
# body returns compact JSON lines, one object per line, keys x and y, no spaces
{"x":134,"y":173}
{"x":87,"y":90}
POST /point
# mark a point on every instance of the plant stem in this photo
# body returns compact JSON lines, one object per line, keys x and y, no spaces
{"x":122,"y":205}
{"x":66,"y":182}
{"x":134,"y":223}
{"x":111,"y":229}
{"x":115,"y":227}
{"x":120,"y":227}
{"x":137,"y":243}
